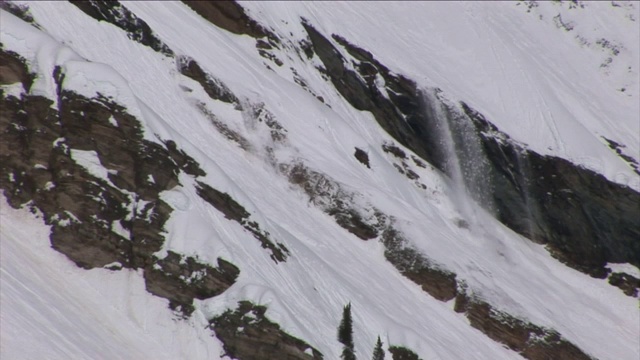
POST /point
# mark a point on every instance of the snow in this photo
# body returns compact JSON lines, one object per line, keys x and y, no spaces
{"x":93,"y":79}
{"x":625,"y":268}
{"x":533,"y":80}
{"x":537,"y":84}
{"x":117,"y":228}
{"x":16,"y":90}
{"x":52,"y":308}
{"x":113,"y":121}
{"x":90,"y":161}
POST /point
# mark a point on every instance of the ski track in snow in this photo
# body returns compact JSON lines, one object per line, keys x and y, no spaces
{"x":101,"y":312}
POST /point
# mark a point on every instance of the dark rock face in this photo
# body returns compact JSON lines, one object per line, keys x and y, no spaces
{"x":182,"y":279}
{"x":230,"y":16}
{"x":585,"y":220}
{"x":236,"y":212}
{"x":13,"y":70}
{"x":214,"y":87}
{"x":402,"y":353}
{"x":248,"y":335}
{"x":117,"y":14}
{"x":400,"y":114}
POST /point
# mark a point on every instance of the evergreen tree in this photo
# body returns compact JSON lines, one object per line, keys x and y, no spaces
{"x":378,"y":352}
{"x":345,"y":334}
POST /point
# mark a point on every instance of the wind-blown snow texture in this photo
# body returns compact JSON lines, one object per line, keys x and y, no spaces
{"x":542,"y":84}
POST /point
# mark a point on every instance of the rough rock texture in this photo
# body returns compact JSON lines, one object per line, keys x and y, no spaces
{"x":182,"y":279}
{"x":434,"y":280}
{"x":248,"y":335}
{"x":117,"y":14}
{"x":585,"y":220}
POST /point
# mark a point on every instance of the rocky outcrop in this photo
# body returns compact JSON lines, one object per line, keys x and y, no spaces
{"x":13,"y":70}
{"x":398,"y":110}
{"x":213,"y":87}
{"x":362,"y":157}
{"x":402,"y":353}
{"x":117,"y":14}
{"x":331,"y":198}
{"x":181,"y":279}
{"x":230,"y":16}
{"x":20,"y":10}
{"x":620,"y":150}
{"x":436,"y":281}
{"x":627,"y":283}
{"x":247,"y":334}
{"x":531,"y":341}
{"x":236,"y":212}
{"x":86,"y":167}
{"x":585,"y":220}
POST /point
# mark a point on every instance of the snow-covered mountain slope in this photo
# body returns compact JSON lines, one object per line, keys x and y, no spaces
{"x":214,"y":164}
{"x":53,"y":309}
{"x":557,"y":90}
